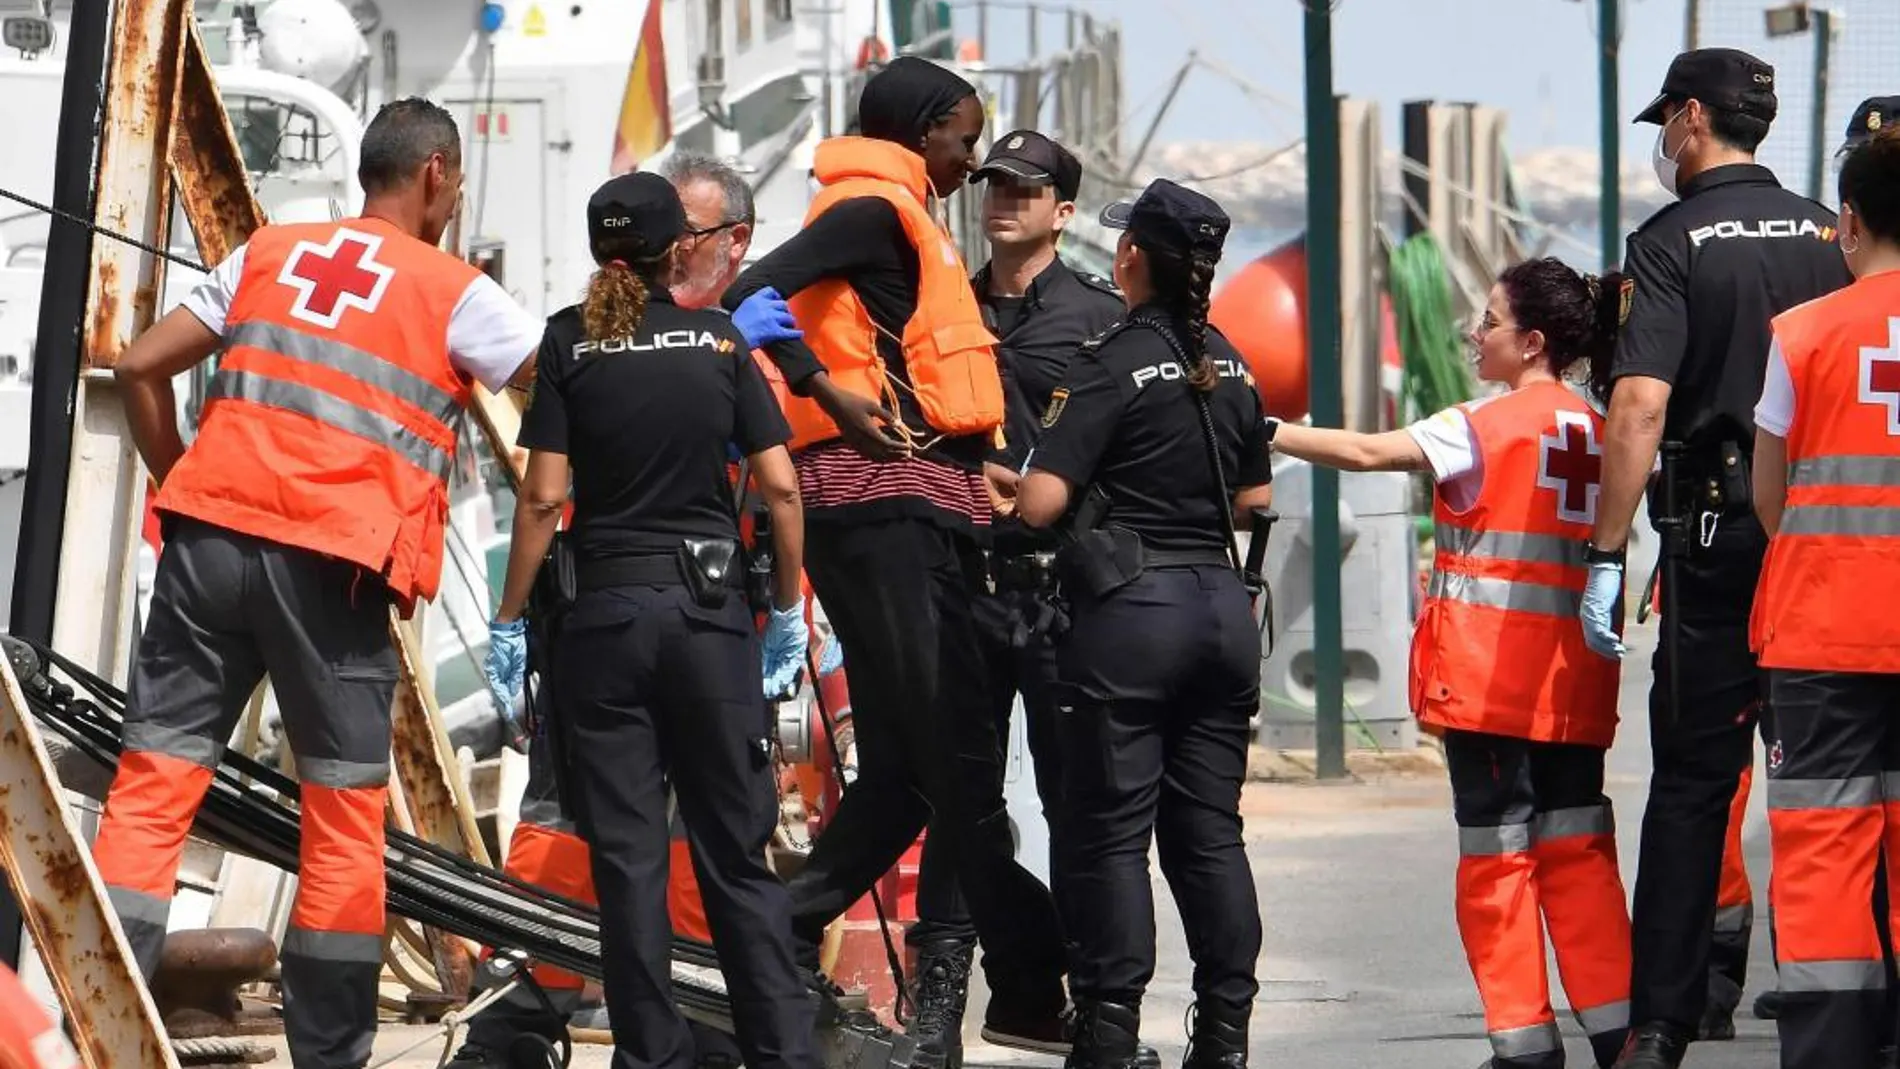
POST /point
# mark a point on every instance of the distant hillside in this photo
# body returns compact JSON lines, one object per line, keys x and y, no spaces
{"x":1559,"y":185}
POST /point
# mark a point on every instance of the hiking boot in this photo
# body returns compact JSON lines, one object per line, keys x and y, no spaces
{"x":1218,"y":1038}
{"x":1718,"y":1016}
{"x":1106,"y":1036}
{"x":1653,"y":1046}
{"x":939,"y":992}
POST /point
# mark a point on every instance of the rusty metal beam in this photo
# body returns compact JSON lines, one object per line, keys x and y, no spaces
{"x":135,"y":186}
{"x":113,"y":1020}
{"x":206,"y":163}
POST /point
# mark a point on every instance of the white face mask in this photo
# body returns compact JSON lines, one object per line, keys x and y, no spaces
{"x":1666,"y":167}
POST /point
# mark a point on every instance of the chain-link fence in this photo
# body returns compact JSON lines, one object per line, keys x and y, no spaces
{"x":1863,"y":61}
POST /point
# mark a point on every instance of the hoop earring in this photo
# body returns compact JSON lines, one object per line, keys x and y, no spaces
{"x":1845,"y":251}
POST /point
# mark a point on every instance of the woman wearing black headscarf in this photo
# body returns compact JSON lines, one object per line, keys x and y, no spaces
{"x":896,"y":403}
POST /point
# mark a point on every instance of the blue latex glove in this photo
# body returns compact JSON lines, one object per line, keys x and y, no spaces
{"x":763,"y":318}
{"x":507,"y":665}
{"x":833,"y":657}
{"x":784,"y":649}
{"x":1599,"y":610}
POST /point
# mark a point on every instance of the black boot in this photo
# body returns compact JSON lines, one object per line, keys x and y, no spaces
{"x":1768,"y":1006}
{"x":1219,"y":1037}
{"x":938,"y":995}
{"x":1107,"y":1036}
{"x":1653,"y":1046}
{"x":1718,"y":1015}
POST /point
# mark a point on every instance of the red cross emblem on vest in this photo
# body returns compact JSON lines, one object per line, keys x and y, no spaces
{"x":1570,"y":462}
{"x":1880,"y":376}
{"x":334,"y":276}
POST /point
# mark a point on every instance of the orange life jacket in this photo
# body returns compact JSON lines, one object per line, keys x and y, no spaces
{"x":1833,"y":569}
{"x":949,"y":355}
{"x":1499,"y":646}
{"x":331,"y":422}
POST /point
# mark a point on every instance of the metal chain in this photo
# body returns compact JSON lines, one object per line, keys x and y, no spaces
{"x":97,"y":229}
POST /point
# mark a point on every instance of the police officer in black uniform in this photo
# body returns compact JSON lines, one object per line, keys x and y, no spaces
{"x":1708,"y":274}
{"x":1873,"y":115}
{"x":1042,"y":311}
{"x":656,"y":675}
{"x":1152,"y":443}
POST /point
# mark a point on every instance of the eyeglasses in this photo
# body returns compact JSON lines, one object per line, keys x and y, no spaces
{"x":705,"y":231}
{"x":1486,"y":325}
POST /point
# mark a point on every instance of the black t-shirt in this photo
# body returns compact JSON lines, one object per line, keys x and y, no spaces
{"x":1039,"y":333}
{"x":1125,"y":418}
{"x":1709,"y":272}
{"x":646,"y":421}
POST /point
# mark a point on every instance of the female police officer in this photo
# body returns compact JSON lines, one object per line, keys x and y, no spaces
{"x":1161,"y":668}
{"x":657,"y":674}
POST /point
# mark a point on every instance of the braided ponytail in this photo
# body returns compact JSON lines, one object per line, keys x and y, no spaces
{"x":1200,"y":291}
{"x":1187,"y":287}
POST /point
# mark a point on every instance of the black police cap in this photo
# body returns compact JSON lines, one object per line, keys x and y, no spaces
{"x":1726,"y":79}
{"x":1171,"y":219}
{"x":1870,"y":118}
{"x":638,"y":215}
{"x":1029,"y":158}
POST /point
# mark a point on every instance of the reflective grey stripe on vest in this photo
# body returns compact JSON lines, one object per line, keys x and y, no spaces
{"x":1858,"y":792}
{"x":1600,"y":1019}
{"x":1524,"y":1042}
{"x":1514,"y":546}
{"x":1514,"y":595}
{"x":1822,"y":976}
{"x":1847,"y":521}
{"x":333,"y":946}
{"x":328,"y":408}
{"x":1845,"y":471}
{"x":1730,"y":919}
{"x":364,"y":367}
{"x":1491,"y":842}
{"x":1890,"y":786}
{"x":1571,"y":823}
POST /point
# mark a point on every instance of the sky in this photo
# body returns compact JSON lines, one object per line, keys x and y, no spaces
{"x":1535,"y":58}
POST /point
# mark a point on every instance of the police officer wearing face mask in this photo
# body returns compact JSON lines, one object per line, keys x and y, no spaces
{"x":1708,"y":273}
{"x":1041,"y":311}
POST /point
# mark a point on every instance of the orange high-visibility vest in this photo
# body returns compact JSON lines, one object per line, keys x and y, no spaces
{"x":331,"y":422}
{"x":1832,"y":573}
{"x":1499,"y":646}
{"x":949,"y":355}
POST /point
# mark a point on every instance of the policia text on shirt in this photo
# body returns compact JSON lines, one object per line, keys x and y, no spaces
{"x":1708,"y":274}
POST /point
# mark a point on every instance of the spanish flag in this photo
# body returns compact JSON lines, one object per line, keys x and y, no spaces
{"x":646,"y":121}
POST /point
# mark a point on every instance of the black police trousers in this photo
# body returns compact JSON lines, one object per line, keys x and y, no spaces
{"x":650,"y":687}
{"x":942,"y":914}
{"x":900,"y":595}
{"x":1159,"y":680}
{"x":1698,"y":753}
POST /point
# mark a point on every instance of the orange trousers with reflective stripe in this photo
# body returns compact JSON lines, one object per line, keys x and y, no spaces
{"x":1833,"y":802}
{"x":559,"y":861}
{"x":1538,"y":850}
